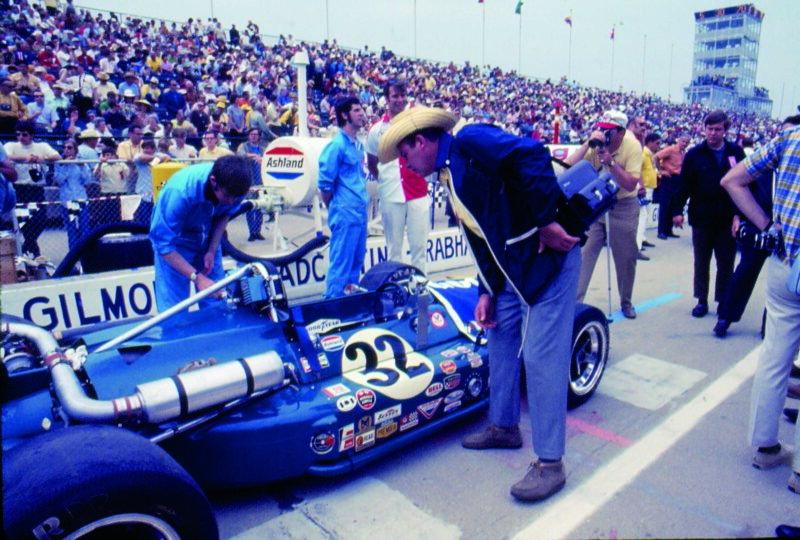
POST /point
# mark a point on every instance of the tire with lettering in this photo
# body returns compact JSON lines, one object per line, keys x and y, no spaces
{"x":590,"y":343}
{"x":100,"y":482}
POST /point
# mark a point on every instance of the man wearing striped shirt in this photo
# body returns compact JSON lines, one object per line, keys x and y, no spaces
{"x":781,"y":155}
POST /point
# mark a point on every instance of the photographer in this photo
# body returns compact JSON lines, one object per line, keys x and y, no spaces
{"x":618,"y":152}
{"x":528,"y":268}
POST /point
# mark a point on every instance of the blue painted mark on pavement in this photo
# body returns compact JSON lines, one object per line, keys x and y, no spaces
{"x":647,"y":305}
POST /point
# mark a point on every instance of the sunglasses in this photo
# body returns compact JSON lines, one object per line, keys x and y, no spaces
{"x":23,"y":134}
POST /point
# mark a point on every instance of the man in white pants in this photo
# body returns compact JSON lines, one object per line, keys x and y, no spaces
{"x":403,"y":193}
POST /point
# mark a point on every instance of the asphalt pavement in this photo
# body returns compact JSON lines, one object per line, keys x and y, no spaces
{"x":659,"y":451}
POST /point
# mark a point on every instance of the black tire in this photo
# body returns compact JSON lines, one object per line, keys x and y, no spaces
{"x":388,"y":272}
{"x":589,"y":355}
{"x":83,"y":476}
{"x":90,"y":241}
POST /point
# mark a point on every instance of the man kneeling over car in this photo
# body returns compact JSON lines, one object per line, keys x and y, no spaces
{"x":189,"y":220}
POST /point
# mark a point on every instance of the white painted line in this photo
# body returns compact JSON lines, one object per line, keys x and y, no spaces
{"x":570,"y":511}
{"x":647,"y":382}
{"x":356,"y":511}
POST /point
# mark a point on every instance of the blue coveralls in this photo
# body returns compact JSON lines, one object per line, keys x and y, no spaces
{"x":182,"y":222}
{"x":341,"y":172}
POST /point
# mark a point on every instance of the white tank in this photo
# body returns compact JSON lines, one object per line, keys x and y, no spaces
{"x":290,"y":165}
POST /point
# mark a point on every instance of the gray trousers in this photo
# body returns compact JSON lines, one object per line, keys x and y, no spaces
{"x":623,"y":221}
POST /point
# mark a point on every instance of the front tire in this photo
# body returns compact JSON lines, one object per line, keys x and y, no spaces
{"x":590,"y":344}
{"x":100,"y":482}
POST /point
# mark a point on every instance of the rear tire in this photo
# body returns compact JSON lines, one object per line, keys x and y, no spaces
{"x":590,"y":344}
{"x":100,"y":482}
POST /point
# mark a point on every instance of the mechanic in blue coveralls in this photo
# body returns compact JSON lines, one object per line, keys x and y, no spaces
{"x":343,"y":188}
{"x":189,"y":220}
{"x":505,"y":195}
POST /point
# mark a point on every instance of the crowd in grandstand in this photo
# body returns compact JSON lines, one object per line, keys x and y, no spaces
{"x":74,"y":70}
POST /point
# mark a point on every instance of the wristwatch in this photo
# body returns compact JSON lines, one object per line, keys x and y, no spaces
{"x":612,"y":163}
{"x":193,"y":277}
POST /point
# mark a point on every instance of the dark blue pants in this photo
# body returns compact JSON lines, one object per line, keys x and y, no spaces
{"x":742,"y":283}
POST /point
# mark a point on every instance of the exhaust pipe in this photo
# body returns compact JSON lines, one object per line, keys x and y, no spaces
{"x":156,"y":401}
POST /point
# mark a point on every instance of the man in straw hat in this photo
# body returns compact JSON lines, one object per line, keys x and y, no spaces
{"x":505,"y":193}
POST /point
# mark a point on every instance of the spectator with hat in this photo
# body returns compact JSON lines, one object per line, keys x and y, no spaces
{"x":528,"y":268}
{"x":618,"y":152}
{"x":104,"y":86}
{"x":130,"y":84}
{"x":12,"y":108}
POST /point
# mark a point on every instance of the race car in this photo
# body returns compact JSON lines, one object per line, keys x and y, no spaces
{"x":110,"y":434}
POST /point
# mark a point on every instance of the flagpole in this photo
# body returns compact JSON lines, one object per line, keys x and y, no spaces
{"x":613,"y":37}
{"x":415,"y":29}
{"x":327,"y":22}
{"x":519,"y":55}
{"x":569,"y":58}
{"x":669,"y":83}
{"x":644,"y":60}
{"x":483,"y":37}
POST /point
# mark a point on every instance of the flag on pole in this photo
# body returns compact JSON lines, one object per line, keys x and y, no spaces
{"x":518,"y":9}
{"x":568,"y":20}
{"x":612,"y":33}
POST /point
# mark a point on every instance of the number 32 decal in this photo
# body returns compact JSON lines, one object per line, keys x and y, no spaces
{"x":386,"y":363}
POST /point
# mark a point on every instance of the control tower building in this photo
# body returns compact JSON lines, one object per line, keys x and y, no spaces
{"x":725,"y":60}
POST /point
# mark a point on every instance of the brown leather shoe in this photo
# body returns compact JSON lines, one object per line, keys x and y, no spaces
{"x":494,"y":437}
{"x":541,"y":481}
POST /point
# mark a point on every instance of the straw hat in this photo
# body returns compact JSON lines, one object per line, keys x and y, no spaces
{"x":408,"y":122}
{"x":90,"y":134}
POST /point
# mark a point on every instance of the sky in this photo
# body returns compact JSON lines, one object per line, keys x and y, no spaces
{"x":651,"y":51}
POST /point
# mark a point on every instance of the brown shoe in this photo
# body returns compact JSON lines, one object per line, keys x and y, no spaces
{"x":494,"y":437}
{"x":542,"y":480}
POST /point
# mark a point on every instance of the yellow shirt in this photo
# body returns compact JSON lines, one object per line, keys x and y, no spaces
{"x":649,"y":176}
{"x":217,"y":152}
{"x":628,"y":156}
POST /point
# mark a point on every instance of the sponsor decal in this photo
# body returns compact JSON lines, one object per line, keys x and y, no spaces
{"x":387,"y":414}
{"x":323,"y":360}
{"x":452,"y":406}
{"x":332,"y":343}
{"x":463,"y":349}
{"x":336,"y":390}
{"x":449,"y":353}
{"x":453,"y":396}
{"x":434,"y":390}
{"x":347,"y":437}
{"x":365,"y":423}
{"x":365,"y":440}
{"x":452,"y":381}
{"x":475,"y":360}
{"x":386,"y":430}
{"x":305,"y":365}
{"x":448,"y":366}
{"x":437,"y":319}
{"x":366,"y":398}
{"x":322,"y":443}
{"x":322,"y":326}
{"x":409,"y":420}
{"x":288,"y":161}
{"x":474,"y":385}
{"x":346,"y":403}
{"x":429,"y":409}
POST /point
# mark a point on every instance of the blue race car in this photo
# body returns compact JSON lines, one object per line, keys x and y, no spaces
{"x":110,"y":434}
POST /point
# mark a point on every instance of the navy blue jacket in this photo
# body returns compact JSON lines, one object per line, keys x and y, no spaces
{"x":508,"y":185}
{"x":709,"y":203}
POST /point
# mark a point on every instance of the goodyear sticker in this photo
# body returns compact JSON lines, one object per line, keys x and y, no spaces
{"x":322,"y":326}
